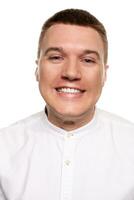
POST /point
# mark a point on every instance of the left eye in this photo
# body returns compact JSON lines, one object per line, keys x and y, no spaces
{"x":88,"y":60}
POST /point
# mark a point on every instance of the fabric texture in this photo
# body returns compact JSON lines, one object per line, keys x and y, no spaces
{"x":39,"y":161}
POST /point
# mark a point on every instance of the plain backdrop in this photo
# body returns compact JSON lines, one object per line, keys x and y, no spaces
{"x":20,"y":25}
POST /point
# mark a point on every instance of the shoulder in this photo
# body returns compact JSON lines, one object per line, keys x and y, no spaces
{"x":21,"y":125}
{"x":121,"y":129}
{"x":17,"y":135}
{"x":114,"y":121}
{"x":121,"y":132}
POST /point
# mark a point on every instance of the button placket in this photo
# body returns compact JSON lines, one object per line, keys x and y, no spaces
{"x":67,"y":168}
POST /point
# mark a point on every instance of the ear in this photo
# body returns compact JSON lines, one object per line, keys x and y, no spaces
{"x":37,"y":71}
{"x":105,"y":74}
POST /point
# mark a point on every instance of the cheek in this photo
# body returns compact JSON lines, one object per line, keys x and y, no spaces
{"x":43,"y":76}
{"x":48,"y":76}
{"x":95,"y":78}
{"x":99,"y":78}
{"x":44,"y":73}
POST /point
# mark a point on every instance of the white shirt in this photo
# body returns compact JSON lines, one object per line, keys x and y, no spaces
{"x":39,"y":161}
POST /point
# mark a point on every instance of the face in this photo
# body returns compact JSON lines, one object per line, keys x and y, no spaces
{"x":71,"y":71}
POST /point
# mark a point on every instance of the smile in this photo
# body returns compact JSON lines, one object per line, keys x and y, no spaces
{"x":69,"y":90}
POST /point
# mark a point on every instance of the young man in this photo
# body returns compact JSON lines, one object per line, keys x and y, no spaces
{"x":72,"y":150}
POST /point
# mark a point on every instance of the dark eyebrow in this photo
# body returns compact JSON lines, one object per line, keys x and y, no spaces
{"x":59,"y":49}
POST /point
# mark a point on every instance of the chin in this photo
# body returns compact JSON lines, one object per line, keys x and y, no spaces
{"x":64,"y":112}
{"x":72,"y":113}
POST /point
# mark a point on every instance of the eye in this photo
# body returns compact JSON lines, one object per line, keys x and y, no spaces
{"x":88,"y":60}
{"x":55,"y":58}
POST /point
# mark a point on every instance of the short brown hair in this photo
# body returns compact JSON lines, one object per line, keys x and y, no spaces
{"x":76,"y":17}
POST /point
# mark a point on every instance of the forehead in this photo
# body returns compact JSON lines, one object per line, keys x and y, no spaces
{"x":72,"y":37}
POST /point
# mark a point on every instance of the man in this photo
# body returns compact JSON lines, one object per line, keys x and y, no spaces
{"x":72,"y":150}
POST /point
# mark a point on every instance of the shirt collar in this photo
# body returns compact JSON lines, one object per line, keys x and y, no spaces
{"x":77,"y":132}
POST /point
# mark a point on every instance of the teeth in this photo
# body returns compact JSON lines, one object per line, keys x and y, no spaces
{"x":69,"y":90}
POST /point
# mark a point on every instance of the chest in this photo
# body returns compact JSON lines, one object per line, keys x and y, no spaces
{"x":70,"y":169}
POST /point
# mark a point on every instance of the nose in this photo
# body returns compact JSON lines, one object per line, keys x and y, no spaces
{"x":71,"y":70}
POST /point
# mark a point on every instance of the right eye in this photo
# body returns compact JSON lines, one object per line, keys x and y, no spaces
{"x":55,"y":58}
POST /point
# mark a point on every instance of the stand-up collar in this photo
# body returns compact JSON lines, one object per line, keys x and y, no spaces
{"x":77,"y":132}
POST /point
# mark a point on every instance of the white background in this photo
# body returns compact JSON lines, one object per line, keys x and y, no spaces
{"x":20,"y":25}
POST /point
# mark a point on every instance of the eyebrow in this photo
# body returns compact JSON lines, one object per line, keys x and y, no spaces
{"x":88,"y":51}
{"x":61,"y":50}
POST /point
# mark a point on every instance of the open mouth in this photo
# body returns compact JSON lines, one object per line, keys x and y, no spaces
{"x":69,"y":90}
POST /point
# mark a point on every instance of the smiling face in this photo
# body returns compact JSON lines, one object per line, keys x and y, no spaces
{"x":71,"y":72}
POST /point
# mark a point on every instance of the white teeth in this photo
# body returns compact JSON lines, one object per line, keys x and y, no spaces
{"x":69,"y":90}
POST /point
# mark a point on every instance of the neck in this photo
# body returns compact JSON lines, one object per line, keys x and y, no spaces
{"x":69,"y":123}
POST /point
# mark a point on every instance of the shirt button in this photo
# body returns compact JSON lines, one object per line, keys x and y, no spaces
{"x":69,"y":135}
{"x":67,"y":162}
